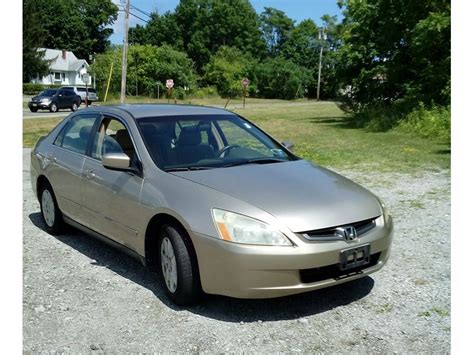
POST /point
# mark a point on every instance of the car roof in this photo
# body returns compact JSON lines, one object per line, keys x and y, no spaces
{"x":161,"y":110}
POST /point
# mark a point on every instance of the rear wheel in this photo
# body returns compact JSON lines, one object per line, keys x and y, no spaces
{"x":74,"y":107}
{"x":50,"y":212}
{"x":53,"y":107}
{"x":177,"y":269}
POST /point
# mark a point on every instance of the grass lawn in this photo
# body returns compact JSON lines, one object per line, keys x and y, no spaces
{"x":320,"y":134}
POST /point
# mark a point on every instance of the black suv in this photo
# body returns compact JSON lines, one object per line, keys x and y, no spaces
{"x":55,"y":99}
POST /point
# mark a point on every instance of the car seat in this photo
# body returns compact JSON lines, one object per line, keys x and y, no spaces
{"x":189,"y":148}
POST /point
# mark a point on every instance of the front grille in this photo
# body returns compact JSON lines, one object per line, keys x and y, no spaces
{"x":333,"y":271}
{"x":330,"y":234}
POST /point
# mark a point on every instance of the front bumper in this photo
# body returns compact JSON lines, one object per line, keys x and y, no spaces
{"x":249,"y":271}
{"x":39,"y":105}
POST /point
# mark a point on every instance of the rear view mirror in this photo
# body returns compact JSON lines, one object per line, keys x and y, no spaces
{"x":288,"y":144}
{"x":116,"y":161}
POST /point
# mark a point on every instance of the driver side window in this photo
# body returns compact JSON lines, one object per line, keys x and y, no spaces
{"x":112,"y":137}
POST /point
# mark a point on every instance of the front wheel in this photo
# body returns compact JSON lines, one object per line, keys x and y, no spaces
{"x":177,"y":268}
{"x":33,"y":109}
{"x":52,"y":216}
{"x":53,"y":107}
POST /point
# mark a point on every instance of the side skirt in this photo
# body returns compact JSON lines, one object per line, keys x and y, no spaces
{"x":105,"y":239}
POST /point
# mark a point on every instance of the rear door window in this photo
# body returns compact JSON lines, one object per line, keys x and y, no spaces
{"x":77,"y":133}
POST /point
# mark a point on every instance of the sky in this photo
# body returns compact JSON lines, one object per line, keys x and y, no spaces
{"x":297,"y":10}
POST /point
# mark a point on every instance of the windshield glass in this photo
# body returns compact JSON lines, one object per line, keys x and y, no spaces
{"x":48,"y":93}
{"x":208,"y":141}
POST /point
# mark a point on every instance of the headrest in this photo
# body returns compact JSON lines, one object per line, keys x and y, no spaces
{"x":85,"y":132}
{"x":189,"y":136}
{"x":123,"y":138}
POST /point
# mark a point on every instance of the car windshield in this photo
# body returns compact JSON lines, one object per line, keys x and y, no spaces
{"x":48,"y":93}
{"x":208,"y":141}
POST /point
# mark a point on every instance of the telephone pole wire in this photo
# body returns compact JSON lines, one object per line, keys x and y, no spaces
{"x":124,"y":55}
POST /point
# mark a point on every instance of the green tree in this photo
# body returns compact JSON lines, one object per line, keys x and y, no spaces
{"x":226,"y":69}
{"x":302,"y":46}
{"x":148,"y":64}
{"x":33,"y":35}
{"x":395,"y":51}
{"x":278,"y":78}
{"x":80,"y":26}
{"x":206,"y":25}
{"x":276,"y":28}
{"x":160,"y":30}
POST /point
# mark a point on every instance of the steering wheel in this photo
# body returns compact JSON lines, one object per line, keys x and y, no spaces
{"x":227,"y":148}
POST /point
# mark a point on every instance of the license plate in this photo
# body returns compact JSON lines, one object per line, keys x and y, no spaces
{"x":355,"y":257}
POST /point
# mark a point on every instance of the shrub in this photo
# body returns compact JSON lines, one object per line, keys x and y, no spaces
{"x":35,"y":89}
{"x":429,"y":122}
{"x":434,"y":123}
{"x":32,"y":89}
{"x":204,"y":92}
{"x":281,"y":79}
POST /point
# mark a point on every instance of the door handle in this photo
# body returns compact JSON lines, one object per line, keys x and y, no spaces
{"x":52,"y":157}
{"x":90,"y":174}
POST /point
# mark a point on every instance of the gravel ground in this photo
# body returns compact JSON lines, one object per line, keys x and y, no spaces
{"x":81,"y":295}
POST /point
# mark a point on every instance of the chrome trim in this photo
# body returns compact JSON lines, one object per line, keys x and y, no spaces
{"x":336,"y":237}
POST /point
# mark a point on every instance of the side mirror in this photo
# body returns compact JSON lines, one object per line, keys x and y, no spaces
{"x":288,"y":144}
{"x":116,"y":161}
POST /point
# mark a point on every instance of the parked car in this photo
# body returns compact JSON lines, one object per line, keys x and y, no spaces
{"x":54,"y":99}
{"x":211,"y":200}
{"x":81,"y":91}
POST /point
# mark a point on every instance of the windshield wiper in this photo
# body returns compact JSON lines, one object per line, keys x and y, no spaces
{"x":189,"y":168}
{"x":256,"y":161}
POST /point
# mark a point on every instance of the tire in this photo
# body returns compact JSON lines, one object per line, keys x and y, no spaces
{"x":181,"y":284}
{"x":53,"y":107}
{"x":74,"y":107}
{"x":52,"y":216}
{"x":33,"y":109}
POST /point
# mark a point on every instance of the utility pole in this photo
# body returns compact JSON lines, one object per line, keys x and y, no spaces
{"x":124,"y":55}
{"x":322,"y":35}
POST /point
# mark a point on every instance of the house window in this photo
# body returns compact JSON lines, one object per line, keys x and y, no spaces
{"x":57,"y":76}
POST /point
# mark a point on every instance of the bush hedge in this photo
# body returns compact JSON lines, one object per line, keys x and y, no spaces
{"x":34,"y":89}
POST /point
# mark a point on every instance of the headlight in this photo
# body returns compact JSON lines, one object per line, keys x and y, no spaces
{"x":386,"y":214}
{"x":238,"y":228}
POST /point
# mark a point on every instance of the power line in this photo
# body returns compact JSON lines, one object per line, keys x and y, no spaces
{"x":138,"y":17}
{"x":143,"y":12}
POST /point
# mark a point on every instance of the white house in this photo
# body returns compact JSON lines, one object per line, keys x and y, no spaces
{"x":65,"y":68}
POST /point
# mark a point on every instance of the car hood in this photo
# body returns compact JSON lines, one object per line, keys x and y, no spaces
{"x":301,"y":195}
{"x":39,"y":98}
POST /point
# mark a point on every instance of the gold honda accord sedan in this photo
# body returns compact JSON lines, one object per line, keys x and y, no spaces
{"x":211,"y":201}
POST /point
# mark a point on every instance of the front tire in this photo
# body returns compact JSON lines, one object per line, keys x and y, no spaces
{"x":177,"y":269}
{"x":33,"y":109}
{"x":52,"y":216}
{"x":53,"y":107}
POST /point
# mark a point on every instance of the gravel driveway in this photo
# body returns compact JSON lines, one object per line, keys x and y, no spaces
{"x":81,"y":295}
